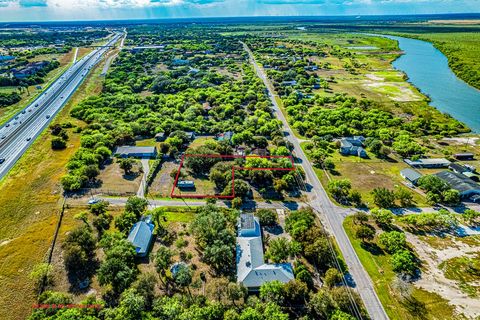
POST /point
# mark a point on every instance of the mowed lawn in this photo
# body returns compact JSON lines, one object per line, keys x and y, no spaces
{"x":30,"y":200}
{"x":431,"y":305}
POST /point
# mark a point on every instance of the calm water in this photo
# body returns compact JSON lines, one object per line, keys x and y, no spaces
{"x":427,"y":68}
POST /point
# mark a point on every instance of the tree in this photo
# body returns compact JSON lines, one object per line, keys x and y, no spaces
{"x":360,"y":217}
{"x":392,"y":241}
{"x":471,"y":217}
{"x":42,"y":275}
{"x":267,"y":217}
{"x":279,"y":250}
{"x":145,"y":287}
{"x":333,"y":277}
{"x":365,"y":233}
{"x":99,"y":207}
{"x":58,"y":143}
{"x":236,"y":291}
{"x":405,"y":197}
{"x":102,"y":223}
{"x":125,"y":221}
{"x":321,"y":304}
{"x":340,"y":315}
{"x":71,"y":182}
{"x":217,"y":288}
{"x":79,"y":254}
{"x":403,"y":261}
{"x":318,"y":253}
{"x":183,"y":276}
{"x":340,"y":189}
{"x":383,"y":197}
{"x":163,"y":261}
{"x":126,"y":164}
{"x":382,"y":217}
{"x":136,"y":205}
{"x":219,"y":256}
{"x":345,"y":298}
{"x":432,"y":183}
{"x":451,"y":196}
{"x":131,"y":306}
{"x":273,"y":291}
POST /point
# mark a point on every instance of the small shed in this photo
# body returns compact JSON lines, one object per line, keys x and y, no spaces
{"x":411,"y":175}
{"x":464,"y":156}
{"x":186,"y":184}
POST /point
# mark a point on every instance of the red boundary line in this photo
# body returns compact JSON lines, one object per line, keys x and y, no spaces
{"x":205,"y":196}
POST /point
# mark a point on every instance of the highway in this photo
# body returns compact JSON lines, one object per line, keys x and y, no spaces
{"x":331,"y":214}
{"x":22,"y":129}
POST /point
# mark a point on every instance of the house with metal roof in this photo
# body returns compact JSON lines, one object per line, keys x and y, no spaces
{"x":252,"y":271}
{"x":136,"y":152}
{"x":141,"y":236}
{"x":464,"y":156}
{"x":428,"y":163}
{"x":458,"y":168}
{"x":411,"y":175}
{"x":463,"y":184}
{"x":353,"y":146}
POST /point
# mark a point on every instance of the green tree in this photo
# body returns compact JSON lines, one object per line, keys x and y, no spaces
{"x":58,"y":143}
{"x":42,"y":275}
{"x":136,"y":205}
{"x":321,"y":305}
{"x":392,"y":241}
{"x":451,"y":196}
{"x":333,"y":277}
{"x":471,"y":217}
{"x":267,"y":217}
{"x":365,"y":233}
{"x":340,"y":189}
{"x":126,"y":164}
{"x":384,"y":198}
{"x":273,"y":291}
{"x":403,"y":261}
{"x":383,"y":217}
{"x":163,"y":261}
{"x":405,"y":197}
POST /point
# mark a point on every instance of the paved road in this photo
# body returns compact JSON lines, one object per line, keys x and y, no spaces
{"x":331,"y":214}
{"x":20,"y":131}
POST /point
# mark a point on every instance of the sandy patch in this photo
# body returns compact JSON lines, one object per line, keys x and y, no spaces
{"x":463,"y":140}
{"x":434,"y":280}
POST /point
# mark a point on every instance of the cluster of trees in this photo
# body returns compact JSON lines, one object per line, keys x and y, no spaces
{"x":20,"y":38}
{"x":392,"y":240}
{"x":439,"y":221}
{"x":60,"y":135}
{"x":7,"y":99}
{"x":385,"y":198}
{"x":214,"y":232}
{"x":438,"y":191}
{"x":341,"y":190}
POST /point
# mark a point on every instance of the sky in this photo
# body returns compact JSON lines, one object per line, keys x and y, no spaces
{"x":46,"y":10}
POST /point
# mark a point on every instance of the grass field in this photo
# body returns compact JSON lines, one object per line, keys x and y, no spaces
{"x":377,"y":265}
{"x":30,"y":202}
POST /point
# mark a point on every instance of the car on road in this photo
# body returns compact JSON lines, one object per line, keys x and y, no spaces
{"x":3,"y":137}
{"x":7,"y":125}
{"x":29,"y":138}
{"x":23,"y":112}
{"x":48,"y":116}
{"x":2,"y":160}
{"x":93,"y":201}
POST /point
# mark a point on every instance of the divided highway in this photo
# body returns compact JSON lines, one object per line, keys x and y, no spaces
{"x":20,"y":131}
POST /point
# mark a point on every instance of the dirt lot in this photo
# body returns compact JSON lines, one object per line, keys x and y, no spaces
{"x":114,"y":180}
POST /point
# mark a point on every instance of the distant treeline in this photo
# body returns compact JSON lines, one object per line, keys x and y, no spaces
{"x":7,"y":99}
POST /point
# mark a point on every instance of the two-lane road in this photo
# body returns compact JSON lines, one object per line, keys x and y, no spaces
{"x":332,"y":215}
{"x":20,"y":131}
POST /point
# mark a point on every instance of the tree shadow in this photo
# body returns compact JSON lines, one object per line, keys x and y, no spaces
{"x":373,"y":248}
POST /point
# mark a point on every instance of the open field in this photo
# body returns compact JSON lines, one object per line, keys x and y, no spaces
{"x":30,"y":202}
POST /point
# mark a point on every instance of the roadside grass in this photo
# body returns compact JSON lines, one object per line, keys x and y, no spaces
{"x":115,"y":182}
{"x":427,"y":305}
{"x":30,"y":201}
{"x":7,"y":112}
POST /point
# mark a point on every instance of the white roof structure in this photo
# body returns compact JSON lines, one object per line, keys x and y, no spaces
{"x":252,"y":271}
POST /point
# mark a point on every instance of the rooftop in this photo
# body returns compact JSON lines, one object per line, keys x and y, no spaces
{"x":135,"y":150}
{"x":458,"y":181}
{"x":140,"y":236}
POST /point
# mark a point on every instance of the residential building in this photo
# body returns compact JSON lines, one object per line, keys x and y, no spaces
{"x":464,"y":156}
{"x":463,"y":184}
{"x":428,"y":163}
{"x":141,"y":236}
{"x":190,"y":135}
{"x":411,"y":175}
{"x":29,"y":70}
{"x":159,"y":137}
{"x":136,"y":152}
{"x":289,"y":83}
{"x":353,"y":146}
{"x":225,"y":136}
{"x":458,"y":168}
{"x":252,"y":271}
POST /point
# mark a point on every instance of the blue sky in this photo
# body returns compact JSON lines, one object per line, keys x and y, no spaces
{"x":41,"y":10}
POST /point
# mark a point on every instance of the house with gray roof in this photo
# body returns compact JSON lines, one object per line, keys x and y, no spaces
{"x":411,"y":175}
{"x":136,"y":152}
{"x":463,"y":184}
{"x":353,"y":146}
{"x":428,"y":163}
{"x":252,"y":271}
{"x":141,"y":236}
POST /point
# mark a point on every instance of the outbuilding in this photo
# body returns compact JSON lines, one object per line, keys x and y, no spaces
{"x":411,"y":175}
{"x":464,"y":156}
{"x":428,"y":163}
{"x":463,"y":184}
{"x":136,"y":152}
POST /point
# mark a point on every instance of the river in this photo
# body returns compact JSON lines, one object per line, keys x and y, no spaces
{"x":427,"y":69}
